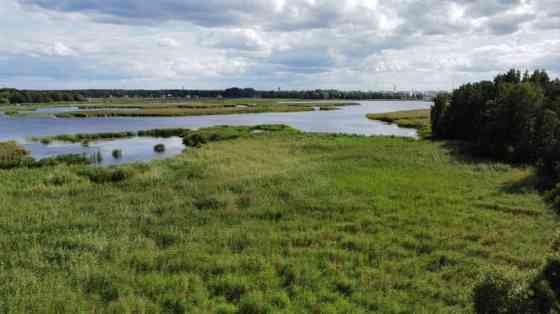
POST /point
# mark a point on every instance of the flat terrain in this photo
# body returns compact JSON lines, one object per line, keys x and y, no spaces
{"x":278,"y":222}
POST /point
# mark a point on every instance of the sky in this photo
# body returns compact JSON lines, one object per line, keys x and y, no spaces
{"x":270,"y":44}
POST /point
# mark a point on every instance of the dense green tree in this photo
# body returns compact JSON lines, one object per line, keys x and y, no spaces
{"x":437,"y":115}
{"x":510,"y":123}
{"x":465,"y":113}
{"x":512,"y":76}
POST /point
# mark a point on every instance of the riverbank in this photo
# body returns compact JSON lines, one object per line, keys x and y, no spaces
{"x":275,"y":221}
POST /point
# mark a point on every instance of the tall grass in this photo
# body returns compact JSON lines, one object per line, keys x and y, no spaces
{"x":277,"y":222}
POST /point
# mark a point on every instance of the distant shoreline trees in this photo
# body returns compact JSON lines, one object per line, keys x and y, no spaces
{"x":14,"y":96}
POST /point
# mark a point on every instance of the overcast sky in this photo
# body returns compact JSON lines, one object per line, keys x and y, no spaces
{"x":266,"y":44}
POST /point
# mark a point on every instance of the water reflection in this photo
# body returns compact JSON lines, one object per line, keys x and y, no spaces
{"x":103,"y":152}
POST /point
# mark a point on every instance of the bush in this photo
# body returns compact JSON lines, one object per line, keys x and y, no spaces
{"x":437,"y":114}
{"x":497,"y":293}
{"x":551,"y":274}
{"x":506,"y":293}
{"x":106,"y":175}
{"x":194,"y":140}
{"x":117,"y":154}
{"x":159,"y":148}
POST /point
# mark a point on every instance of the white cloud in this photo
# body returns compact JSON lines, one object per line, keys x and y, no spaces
{"x":352,"y":44}
{"x":168,"y":42}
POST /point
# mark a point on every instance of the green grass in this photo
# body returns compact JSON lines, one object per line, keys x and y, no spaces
{"x":415,"y":119}
{"x":278,"y":222}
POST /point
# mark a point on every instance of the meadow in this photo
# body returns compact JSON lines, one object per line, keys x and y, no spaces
{"x":269,"y":222}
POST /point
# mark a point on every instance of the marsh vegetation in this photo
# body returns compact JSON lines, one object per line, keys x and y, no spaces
{"x":281,"y":221}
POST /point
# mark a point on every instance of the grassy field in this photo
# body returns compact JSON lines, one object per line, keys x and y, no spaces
{"x":279,"y":222}
{"x":417,"y":119}
{"x":172,"y":107}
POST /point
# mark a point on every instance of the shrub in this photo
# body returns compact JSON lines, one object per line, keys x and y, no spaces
{"x":194,"y":140}
{"x":504,"y":293}
{"x":117,"y":154}
{"x":551,"y":274}
{"x":437,"y":114}
{"x":159,"y":148}
{"x":104,"y":175}
{"x":497,"y":293}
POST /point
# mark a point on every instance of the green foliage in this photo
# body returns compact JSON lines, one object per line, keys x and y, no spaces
{"x":437,"y":114}
{"x":498,"y":293}
{"x":15,"y":96}
{"x":508,"y":131}
{"x":515,"y":118}
{"x":509,"y":292}
{"x":464,"y":116}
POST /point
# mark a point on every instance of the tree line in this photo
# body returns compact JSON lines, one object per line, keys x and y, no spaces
{"x":515,"y":118}
{"x":236,"y":92}
{"x":14,"y":96}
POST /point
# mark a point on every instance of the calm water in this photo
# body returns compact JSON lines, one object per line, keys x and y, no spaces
{"x":349,"y":120}
{"x":133,"y":149}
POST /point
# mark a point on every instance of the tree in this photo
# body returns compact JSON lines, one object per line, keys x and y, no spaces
{"x":466,"y":110}
{"x":510,"y":127}
{"x":437,"y":114}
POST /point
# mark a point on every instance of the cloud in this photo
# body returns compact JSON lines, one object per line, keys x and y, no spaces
{"x":352,"y":44}
{"x":167,"y":42}
{"x":287,"y":15}
{"x":239,"y":39}
{"x":508,"y":23}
